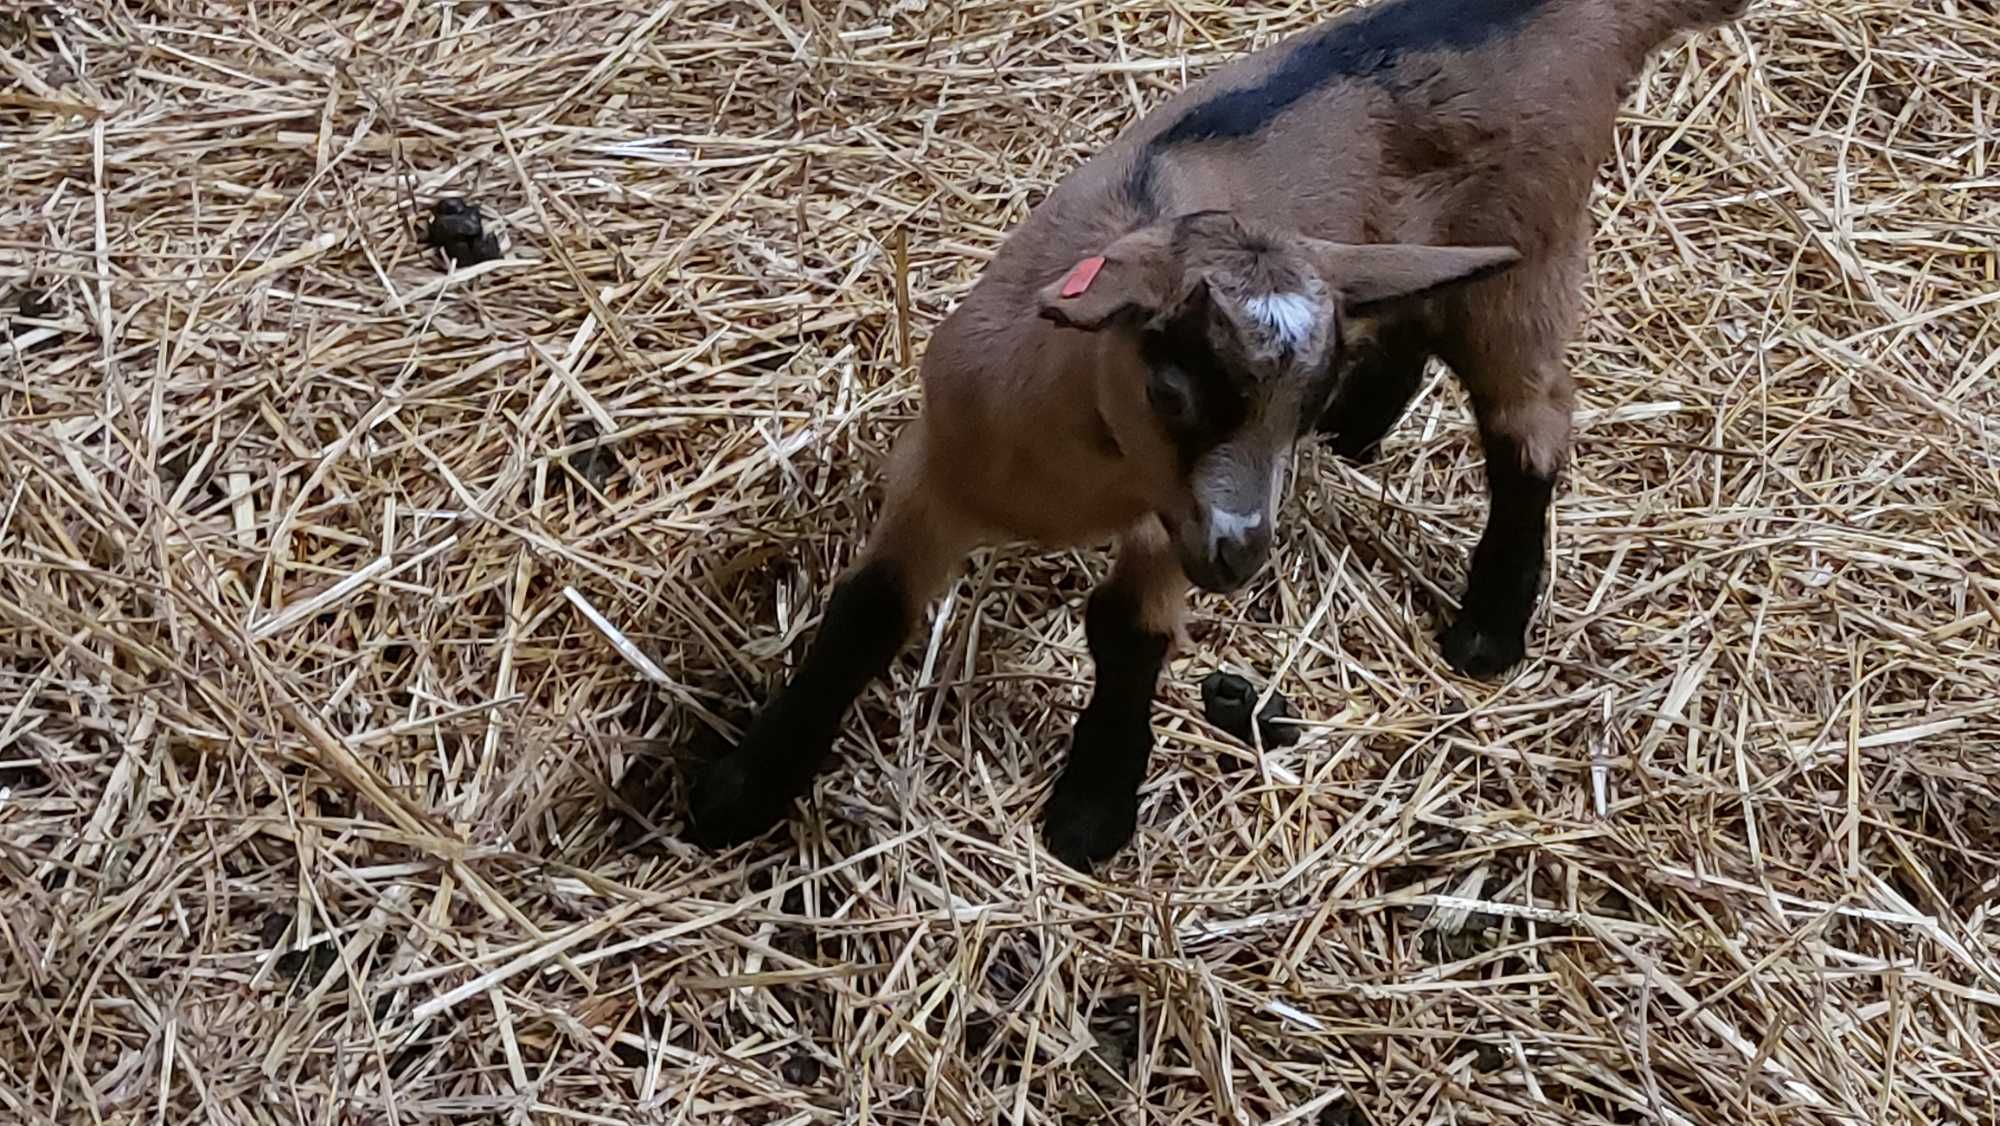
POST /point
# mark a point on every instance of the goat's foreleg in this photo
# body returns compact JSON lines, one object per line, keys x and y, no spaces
{"x":1131,"y":624}
{"x":908,"y":560}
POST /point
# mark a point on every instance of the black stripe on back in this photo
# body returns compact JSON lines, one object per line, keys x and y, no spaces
{"x":1138,"y":186}
{"x":1219,"y":401}
{"x":1361,"y":46}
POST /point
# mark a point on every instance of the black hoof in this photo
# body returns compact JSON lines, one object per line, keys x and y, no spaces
{"x":1085,"y":825}
{"x":1482,"y":654}
{"x":734,"y":801}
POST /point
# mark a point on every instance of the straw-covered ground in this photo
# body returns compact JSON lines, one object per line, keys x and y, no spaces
{"x":353,"y":611}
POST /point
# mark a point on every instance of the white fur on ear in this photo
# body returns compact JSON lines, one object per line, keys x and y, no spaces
{"x":1291,"y":317}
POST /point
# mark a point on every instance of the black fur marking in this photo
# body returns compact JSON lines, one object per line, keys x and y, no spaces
{"x":1095,"y":805}
{"x":1365,"y":45}
{"x":1375,"y":393}
{"x":747,"y":791}
{"x":1490,"y":635}
{"x":1219,"y":406}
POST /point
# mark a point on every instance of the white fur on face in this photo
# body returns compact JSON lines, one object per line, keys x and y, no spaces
{"x":1291,"y":317}
{"x":1231,"y":525}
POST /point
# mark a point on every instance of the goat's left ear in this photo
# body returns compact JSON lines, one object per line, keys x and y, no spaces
{"x":1371,"y":275}
{"x":1135,"y":275}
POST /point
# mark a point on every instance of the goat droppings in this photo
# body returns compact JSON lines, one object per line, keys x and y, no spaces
{"x":1227,"y":700}
{"x":800,"y":1071}
{"x":457,"y":229}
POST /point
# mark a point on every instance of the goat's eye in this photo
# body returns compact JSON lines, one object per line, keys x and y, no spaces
{"x":1171,"y":394}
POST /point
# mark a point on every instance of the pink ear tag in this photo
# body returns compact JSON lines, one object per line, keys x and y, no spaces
{"x":1080,"y":278}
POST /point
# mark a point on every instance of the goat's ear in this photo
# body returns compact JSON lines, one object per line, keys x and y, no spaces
{"x":1136,"y":275}
{"x":1371,"y":275}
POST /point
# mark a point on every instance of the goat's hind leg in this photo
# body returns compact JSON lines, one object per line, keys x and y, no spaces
{"x":1131,"y":623}
{"x":873,"y":608}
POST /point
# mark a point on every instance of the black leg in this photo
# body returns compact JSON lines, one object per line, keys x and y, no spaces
{"x":1095,"y":805}
{"x":747,"y":791}
{"x":1490,"y":635}
{"x":1376,"y":390}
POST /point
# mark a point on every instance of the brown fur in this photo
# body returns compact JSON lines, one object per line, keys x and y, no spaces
{"x":1495,"y":147}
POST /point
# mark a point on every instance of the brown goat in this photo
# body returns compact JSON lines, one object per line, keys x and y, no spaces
{"x":1278,"y":249}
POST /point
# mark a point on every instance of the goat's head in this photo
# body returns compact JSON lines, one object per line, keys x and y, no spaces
{"x":1220,"y":349}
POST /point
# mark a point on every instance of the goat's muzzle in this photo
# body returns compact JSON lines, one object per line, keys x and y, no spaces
{"x":1224,"y":550}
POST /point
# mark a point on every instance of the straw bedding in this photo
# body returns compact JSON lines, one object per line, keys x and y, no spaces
{"x":357,"y":615}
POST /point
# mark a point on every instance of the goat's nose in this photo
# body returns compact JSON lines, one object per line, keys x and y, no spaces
{"x":1240,"y":549}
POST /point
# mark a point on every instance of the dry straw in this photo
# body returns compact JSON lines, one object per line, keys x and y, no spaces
{"x":353,"y":612}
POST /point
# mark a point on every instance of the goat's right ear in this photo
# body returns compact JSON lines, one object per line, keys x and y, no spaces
{"x":1372,"y":275}
{"x":1134,"y":276}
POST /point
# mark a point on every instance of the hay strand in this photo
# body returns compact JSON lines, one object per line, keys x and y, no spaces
{"x":355,"y":610}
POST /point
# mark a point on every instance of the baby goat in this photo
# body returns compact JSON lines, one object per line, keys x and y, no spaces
{"x":1277,"y":250}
